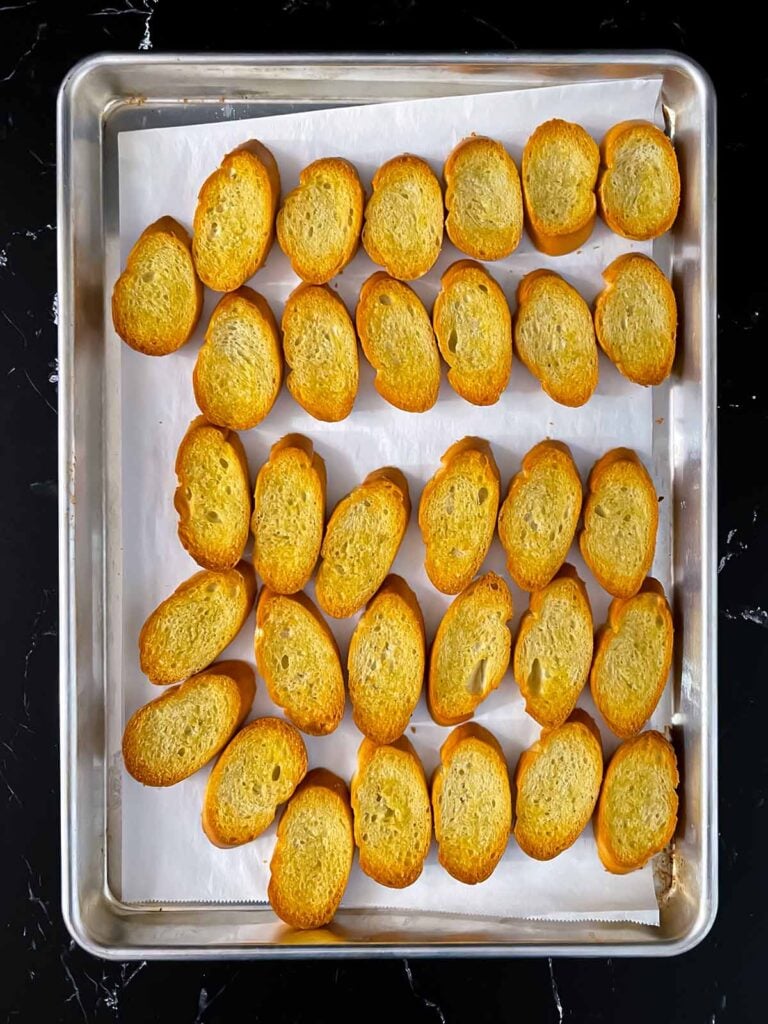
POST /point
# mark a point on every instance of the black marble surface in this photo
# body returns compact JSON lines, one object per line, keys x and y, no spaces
{"x":43,"y":975}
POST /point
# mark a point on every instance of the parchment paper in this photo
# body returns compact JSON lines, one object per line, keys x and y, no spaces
{"x":165,"y":856}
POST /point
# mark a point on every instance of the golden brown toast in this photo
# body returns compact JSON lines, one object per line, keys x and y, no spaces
{"x":560,"y":165}
{"x":239,"y":367}
{"x":234,"y":224}
{"x":393,"y":818}
{"x":298,"y":658}
{"x":362,"y":538}
{"x":637,"y":814}
{"x":320,"y":348}
{"x":557,"y":783}
{"x":403,"y":229}
{"x":385,"y":663}
{"x":258,"y":771}
{"x":318,"y":226}
{"x":174,"y":735}
{"x":190,"y":629}
{"x":473,"y":326}
{"x":639,"y":187}
{"x":313,"y":855}
{"x":158,"y":298}
{"x":636,"y":319}
{"x":288,"y":514}
{"x":399,"y":343}
{"x":633,"y":658}
{"x":555,"y":337}
{"x":471,"y":804}
{"x":457,"y":514}
{"x":539,"y":515}
{"x":470,"y":652}
{"x":483,"y":199}
{"x":621,"y":518}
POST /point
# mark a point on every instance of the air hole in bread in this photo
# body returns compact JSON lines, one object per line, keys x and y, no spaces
{"x":276,"y":773}
{"x":600,"y":511}
{"x":385,"y":300}
{"x":476,"y":680}
{"x":482,"y":495}
{"x":453,"y":340}
{"x":284,"y":661}
{"x":213,"y":517}
{"x":535,"y":677}
{"x":148,"y":277}
{"x":483,"y":288}
{"x":223,"y":463}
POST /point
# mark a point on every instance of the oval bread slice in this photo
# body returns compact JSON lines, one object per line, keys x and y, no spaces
{"x":637,"y":813}
{"x":213,"y":498}
{"x":288,"y":514}
{"x":298,"y":658}
{"x":191,"y":628}
{"x":557,"y":783}
{"x":172,"y":737}
{"x":473,"y":327}
{"x":539,"y":515}
{"x":639,"y":188}
{"x":313,"y":855}
{"x":457,"y":514}
{"x":234,"y":224}
{"x":483,"y":199}
{"x":636,"y":319}
{"x":318,"y":226}
{"x":393,"y":817}
{"x":320,"y":348}
{"x":470,"y":652}
{"x":258,"y":771}
{"x":553,"y":649}
{"x":555,"y":337}
{"x":158,"y":298}
{"x":403,"y":229}
{"x":633,"y":658}
{"x":560,"y":165}
{"x":385,"y":663}
{"x":399,"y":343}
{"x":363,"y":536}
{"x":621,"y":518}
{"x":471,"y":804}
{"x":239,"y":367}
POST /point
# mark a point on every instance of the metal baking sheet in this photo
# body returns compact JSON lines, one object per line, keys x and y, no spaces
{"x":106,"y":95}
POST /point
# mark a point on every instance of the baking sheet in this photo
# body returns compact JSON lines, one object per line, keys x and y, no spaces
{"x":165,"y":856}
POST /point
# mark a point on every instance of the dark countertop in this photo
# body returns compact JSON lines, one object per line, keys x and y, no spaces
{"x":44,"y":976}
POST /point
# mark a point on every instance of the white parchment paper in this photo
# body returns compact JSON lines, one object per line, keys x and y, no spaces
{"x":165,"y":856}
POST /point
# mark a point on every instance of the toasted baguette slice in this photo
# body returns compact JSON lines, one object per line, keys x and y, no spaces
{"x":553,"y":649}
{"x":234,"y":223}
{"x":320,"y":347}
{"x":399,"y":343}
{"x":639,"y":188}
{"x":539,"y":515}
{"x":258,"y":771}
{"x":172,"y":737}
{"x":288,"y":514}
{"x":557,"y":782}
{"x":318,"y":226}
{"x":239,"y":367}
{"x":560,"y":165}
{"x":637,"y":813}
{"x":403,"y":229}
{"x":457,"y":514}
{"x":470,"y":652}
{"x":190,"y":629}
{"x":313,"y":855}
{"x":298,"y":658}
{"x":385,"y":662}
{"x":213,"y":498}
{"x":633,"y":658}
{"x":636,"y":319}
{"x":621,"y":517}
{"x":363,"y":536}
{"x":471,"y":804}
{"x":393,"y":818}
{"x":483,"y":199}
{"x":158,"y":298}
{"x":555,"y":337}
{"x":473,"y":326}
